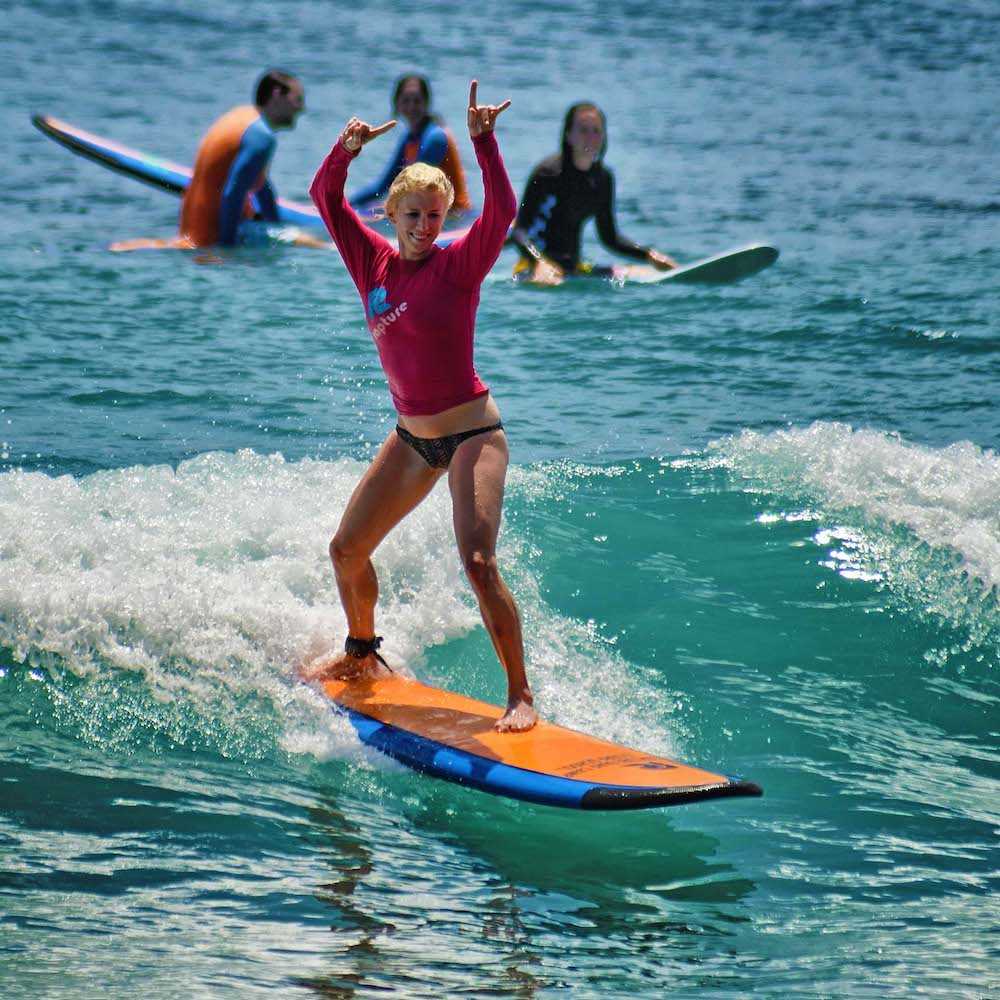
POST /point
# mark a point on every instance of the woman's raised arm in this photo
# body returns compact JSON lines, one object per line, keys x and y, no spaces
{"x":355,"y":241}
{"x":476,"y":252}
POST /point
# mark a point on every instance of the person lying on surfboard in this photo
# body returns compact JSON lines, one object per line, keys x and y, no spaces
{"x":420,"y":304}
{"x":426,"y":141}
{"x":562,"y":193}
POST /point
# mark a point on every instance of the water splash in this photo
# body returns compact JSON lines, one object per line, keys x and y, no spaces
{"x":179,"y":601}
{"x":924,"y":523}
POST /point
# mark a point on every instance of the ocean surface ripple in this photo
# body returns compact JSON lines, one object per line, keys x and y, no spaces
{"x":755,"y":527}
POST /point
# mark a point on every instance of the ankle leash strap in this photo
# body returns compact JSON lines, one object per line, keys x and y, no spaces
{"x":360,"y":648}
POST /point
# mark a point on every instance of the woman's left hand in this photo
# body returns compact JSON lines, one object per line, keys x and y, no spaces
{"x":660,"y":260}
{"x":482,"y":118}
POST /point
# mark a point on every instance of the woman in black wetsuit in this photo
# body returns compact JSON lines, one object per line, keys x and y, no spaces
{"x":563,"y":192}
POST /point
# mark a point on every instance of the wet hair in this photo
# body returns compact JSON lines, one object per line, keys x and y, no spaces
{"x":567,"y":152}
{"x":272,"y":80}
{"x":419,"y":177}
{"x":425,"y":88}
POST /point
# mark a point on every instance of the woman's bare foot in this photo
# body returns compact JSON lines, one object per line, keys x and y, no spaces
{"x":344,"y":668}
{"x":519,"y":717}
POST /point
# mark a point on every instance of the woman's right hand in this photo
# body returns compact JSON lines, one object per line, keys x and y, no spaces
{"x":357,"y":133}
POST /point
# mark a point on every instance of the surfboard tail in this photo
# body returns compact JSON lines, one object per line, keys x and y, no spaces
{"x":160,"y":174}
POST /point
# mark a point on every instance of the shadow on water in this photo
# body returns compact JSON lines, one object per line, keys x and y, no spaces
{"x":503,"y":878}
{"x":352,"y":861}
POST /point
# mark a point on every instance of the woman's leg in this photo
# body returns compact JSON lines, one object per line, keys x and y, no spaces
{"x":396,"y":481}
{"x":476,"y":479}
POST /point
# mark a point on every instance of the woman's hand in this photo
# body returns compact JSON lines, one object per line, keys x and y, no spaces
{"x":547,"y":272}
{"x":482,"y":118}
{"x":357,"y":133}
{"x":661,"y":261}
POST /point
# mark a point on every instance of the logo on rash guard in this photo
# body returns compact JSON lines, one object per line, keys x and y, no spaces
{"x":379,"y":305}
{"x":378,"y":301}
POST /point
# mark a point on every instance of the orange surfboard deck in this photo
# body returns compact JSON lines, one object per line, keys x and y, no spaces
{"x":451,"y":736}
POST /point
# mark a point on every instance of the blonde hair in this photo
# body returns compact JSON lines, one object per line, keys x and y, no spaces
{"x":419,"y":177}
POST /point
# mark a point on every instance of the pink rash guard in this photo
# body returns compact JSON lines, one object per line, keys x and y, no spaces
{"x":421,"y":314}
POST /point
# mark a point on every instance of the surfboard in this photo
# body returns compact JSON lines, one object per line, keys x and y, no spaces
{"x":721,"y":269}
{"x":451,"y":736}
{"x":173,"y":178}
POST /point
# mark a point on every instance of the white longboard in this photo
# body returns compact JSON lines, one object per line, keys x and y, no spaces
{"x":722,"y":269}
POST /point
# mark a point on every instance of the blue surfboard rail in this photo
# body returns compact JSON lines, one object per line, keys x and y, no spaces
{"x":462,"y":767}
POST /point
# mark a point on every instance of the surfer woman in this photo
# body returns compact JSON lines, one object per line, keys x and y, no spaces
{"x":426,"y":141}
{"x":420,"y":304}
{"x":562,"y":193}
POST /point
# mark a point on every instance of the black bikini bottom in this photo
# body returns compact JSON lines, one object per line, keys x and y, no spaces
{"x":438,"y":452}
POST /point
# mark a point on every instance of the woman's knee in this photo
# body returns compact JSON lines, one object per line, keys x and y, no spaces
{"x":346,"y":553}
{"x":480,"y":565}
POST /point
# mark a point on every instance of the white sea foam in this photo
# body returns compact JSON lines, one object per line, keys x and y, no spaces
{"x":948,"y":497}
{"x":210,"y":578}
{"x":929,"y":518}
{"x":212,"y":581}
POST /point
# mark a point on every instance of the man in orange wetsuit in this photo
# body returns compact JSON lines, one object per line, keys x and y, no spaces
{"x":230,"y":183}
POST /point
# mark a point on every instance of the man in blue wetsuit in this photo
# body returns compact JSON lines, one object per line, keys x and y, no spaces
{"x":230,"y":171}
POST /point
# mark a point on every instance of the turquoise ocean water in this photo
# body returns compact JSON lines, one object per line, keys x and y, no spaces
{"x":755,"y":527}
